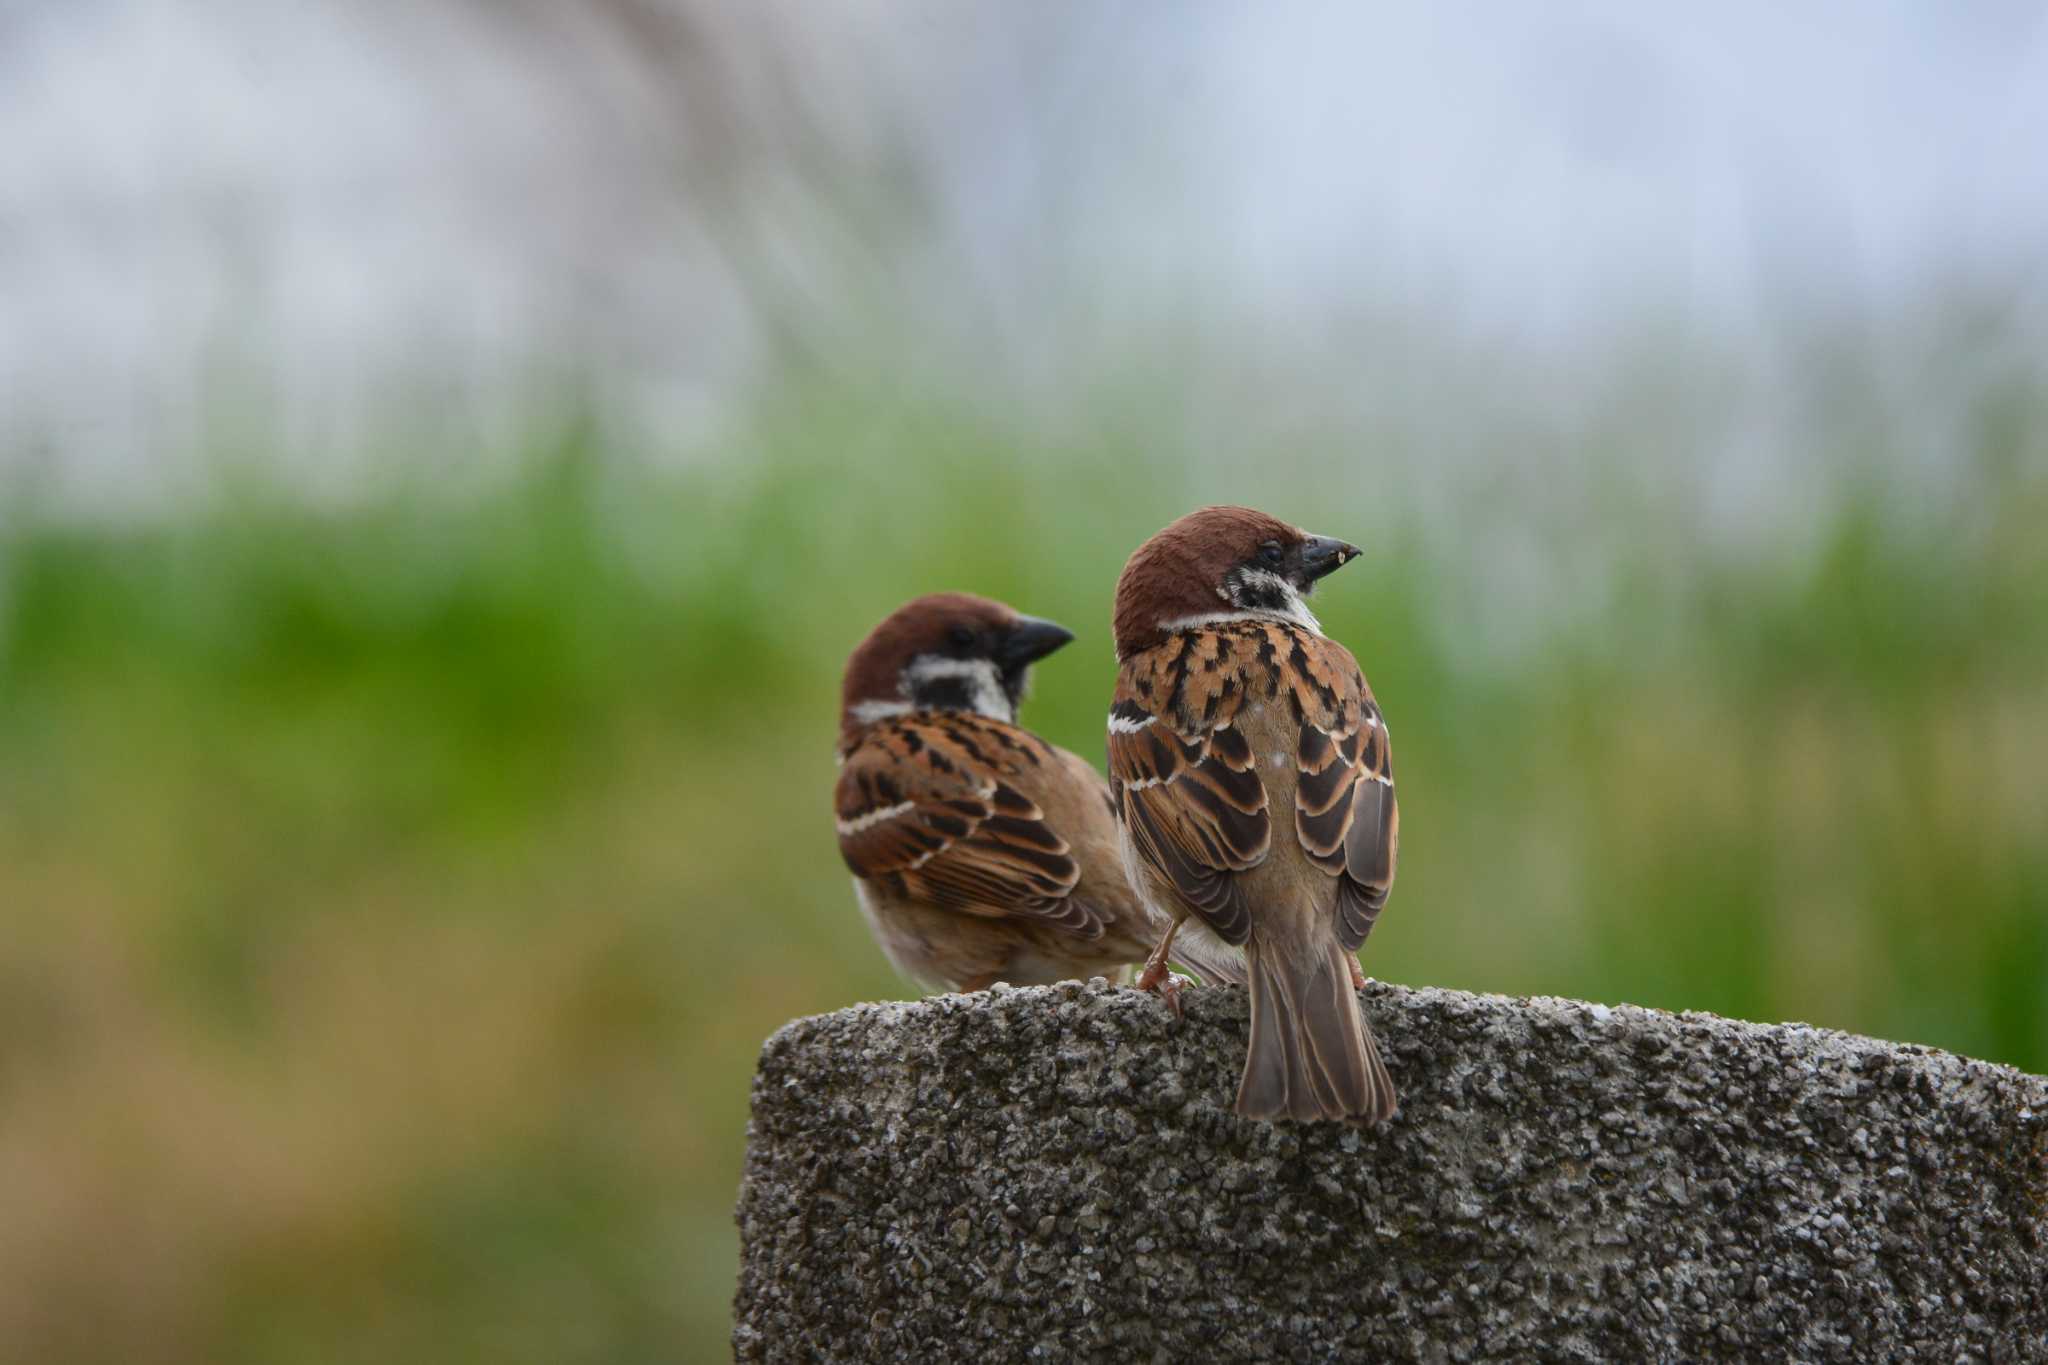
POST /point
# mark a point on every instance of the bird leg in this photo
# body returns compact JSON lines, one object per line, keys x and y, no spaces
{"x":1357,"y":973}
{"x":1158,"y":977}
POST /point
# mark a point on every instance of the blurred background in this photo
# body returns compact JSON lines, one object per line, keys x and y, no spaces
{"x":447,"y":450}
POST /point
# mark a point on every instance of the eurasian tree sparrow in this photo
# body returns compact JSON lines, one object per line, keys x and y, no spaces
{"x":1231,"y":706}
{"x":980,"y":853}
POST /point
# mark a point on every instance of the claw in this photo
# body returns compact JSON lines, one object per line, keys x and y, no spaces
{"x":1163,"y":983}
{"x":1157,"y":977}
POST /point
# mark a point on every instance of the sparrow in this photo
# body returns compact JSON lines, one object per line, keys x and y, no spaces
{"x":1250,"y":773}
{"x":980,"y":853}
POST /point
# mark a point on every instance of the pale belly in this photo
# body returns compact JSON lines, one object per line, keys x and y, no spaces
{"x":945,"y":950}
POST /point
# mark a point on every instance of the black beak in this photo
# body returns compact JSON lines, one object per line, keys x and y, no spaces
{"x":1030,"y":640}
{"x":1321,"y":555}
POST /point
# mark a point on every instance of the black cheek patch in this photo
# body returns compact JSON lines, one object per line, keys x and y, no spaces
{"x":943,"y":694}
{"x":1255,"y":592}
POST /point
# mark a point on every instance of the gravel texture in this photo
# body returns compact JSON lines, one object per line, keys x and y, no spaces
{"x":1055,"y":1174}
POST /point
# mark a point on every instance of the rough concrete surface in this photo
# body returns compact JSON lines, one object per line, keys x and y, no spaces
{"x":1055,"y":1174}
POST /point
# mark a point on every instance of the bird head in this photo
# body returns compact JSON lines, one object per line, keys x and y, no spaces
{"x":1221,"y":564}
{"x":948,"y":651}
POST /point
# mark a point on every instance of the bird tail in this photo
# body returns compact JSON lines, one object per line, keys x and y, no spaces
{"x":1312,"y":1054}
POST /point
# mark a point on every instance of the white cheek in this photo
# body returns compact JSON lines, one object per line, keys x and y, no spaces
{"x":984,"y":688}
{"x":1292,"y":608}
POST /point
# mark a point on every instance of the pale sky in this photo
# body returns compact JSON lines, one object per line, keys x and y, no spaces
{"x":349,"y":205}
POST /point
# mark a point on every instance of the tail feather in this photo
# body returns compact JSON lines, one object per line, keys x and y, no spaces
{"x":1312,"y":1055}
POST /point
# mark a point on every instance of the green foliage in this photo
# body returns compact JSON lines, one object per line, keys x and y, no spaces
{"x":396,"y":895}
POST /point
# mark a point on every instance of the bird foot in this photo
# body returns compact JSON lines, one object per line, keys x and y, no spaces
{"x":1358,"y":976}
{"x":1159,"y":979}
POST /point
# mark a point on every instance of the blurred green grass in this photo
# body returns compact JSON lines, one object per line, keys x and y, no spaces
{"x":397,"y":894}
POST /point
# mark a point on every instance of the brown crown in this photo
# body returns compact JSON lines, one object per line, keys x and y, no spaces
{"x":920,"y":626}
{"x":1179,"y":572}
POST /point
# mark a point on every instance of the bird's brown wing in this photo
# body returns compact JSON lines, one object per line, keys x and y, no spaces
{"x":1184,"y":778}
{"x":938,"y":808}
{"x":1344,"y":809}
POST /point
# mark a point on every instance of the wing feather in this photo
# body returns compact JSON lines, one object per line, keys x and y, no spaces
{"x":1345,"y":813}
{"x":935,"y":806}
{"x":1186,"y":779}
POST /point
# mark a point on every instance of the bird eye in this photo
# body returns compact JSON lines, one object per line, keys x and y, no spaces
{"x":962,"y":637}
{"x":1270,"y":554}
